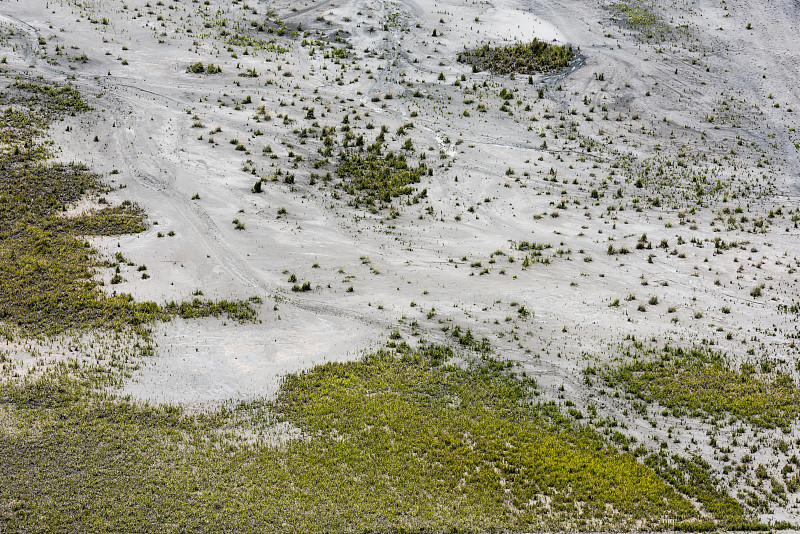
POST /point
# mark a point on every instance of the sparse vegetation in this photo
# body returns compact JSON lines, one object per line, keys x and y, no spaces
{"x":557,"y":191}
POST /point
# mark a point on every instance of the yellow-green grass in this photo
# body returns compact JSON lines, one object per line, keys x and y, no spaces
{"x":396,"y":442}
{"x":47,"y":268}
{"x":704,"y":383}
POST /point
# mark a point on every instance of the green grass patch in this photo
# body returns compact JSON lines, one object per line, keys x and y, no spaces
{"x":693,"y":478}
{"x":704,"y":383}
{"x":521,"y":58}
{"x":373,"y":179}
{"x":641,"y":16}
{"x":396,"y":442}
{"x":637,"y":15}
{"x":50,"y":100}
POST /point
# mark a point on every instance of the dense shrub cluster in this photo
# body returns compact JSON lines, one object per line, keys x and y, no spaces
{"x":374,"y":179}
{"x":528,"y":58}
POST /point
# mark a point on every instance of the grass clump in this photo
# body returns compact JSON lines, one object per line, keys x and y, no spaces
{"x":373,"y":179}
{"x":521,"y":58}
{"x":704,"y":382}
{"x":398,"y":441}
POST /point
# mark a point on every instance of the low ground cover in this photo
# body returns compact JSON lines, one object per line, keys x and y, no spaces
{"x":705,"y":383}
{"x":398,"y":441}
{"x":48,"y":283}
